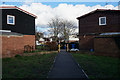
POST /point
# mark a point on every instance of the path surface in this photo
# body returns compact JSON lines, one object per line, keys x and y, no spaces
{"x":66,"y":67}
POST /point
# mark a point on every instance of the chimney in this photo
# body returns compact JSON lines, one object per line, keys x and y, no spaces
{"x":119,"y":5}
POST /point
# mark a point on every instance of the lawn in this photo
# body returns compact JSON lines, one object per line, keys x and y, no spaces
{"x":35,"y":66}
{"x":99,"y":67}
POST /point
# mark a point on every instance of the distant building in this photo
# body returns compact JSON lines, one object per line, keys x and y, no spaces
{"x":73,"y":38}
{"x":97,"y":30}
{"x":18,"y":30}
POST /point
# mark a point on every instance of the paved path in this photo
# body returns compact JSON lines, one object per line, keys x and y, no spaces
{"x":66,"y":67}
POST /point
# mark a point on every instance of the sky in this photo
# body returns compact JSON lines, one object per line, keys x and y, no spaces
{"x":46,"y":10}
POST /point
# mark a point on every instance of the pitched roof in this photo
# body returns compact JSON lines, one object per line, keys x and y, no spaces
{"x":96,"y":11}
{"x":15,"y":7}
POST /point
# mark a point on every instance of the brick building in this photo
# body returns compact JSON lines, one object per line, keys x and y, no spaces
{"x":98,"y":30}
{"x":18,"y":30}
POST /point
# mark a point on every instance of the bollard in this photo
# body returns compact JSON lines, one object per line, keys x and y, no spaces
{"x":67,"y":47}
{"x":59,"y":47}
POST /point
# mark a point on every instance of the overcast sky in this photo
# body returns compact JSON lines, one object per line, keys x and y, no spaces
{"x":66,"y":10}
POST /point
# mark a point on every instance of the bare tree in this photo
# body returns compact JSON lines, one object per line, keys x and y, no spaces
{"x":61,"y":27}
{"x":55,"y":27}
{"x":68,"y":28}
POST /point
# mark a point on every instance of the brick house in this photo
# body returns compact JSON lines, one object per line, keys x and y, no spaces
{"x":98,"y":31}
{"x":18,"y":30}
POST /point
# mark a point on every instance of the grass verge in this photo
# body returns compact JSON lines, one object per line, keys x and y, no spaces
{"x":99,"y":67}
{"x":35,"y":66}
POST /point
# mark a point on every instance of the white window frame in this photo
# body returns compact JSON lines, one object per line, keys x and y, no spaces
{"x":100,"y":21}
{"x":8,"y":19}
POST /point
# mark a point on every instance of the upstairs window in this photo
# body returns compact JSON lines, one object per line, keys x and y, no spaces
{"x":102,"y":20}
{"x":11,"y":19}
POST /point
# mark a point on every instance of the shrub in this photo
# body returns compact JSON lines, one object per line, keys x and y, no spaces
{"x":51,"y":45}
{"x":17,"y":55}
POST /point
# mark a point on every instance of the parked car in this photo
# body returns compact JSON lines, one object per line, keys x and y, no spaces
{"x":74,"y":49}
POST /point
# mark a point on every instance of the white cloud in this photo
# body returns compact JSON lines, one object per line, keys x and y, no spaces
{"x":65,"y":11}
{"x":6,"y":5}
{"x":43,"y":12}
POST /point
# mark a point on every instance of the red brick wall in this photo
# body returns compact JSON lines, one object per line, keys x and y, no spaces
{"x":29,"y":40}
{"x":106,"y":47}
{"x":12,"y":45}
{"x":0,"y":46}
{"x":86,"y":42}
{"x":15,"y":44}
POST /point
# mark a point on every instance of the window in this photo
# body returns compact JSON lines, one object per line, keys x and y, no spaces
{"x":11,"y":19}
{"x":102,"y":20}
